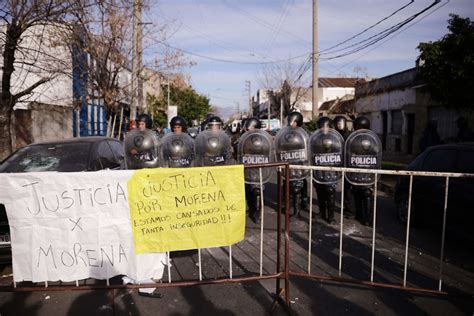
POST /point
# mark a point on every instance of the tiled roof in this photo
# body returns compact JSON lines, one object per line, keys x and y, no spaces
{"x":324,"y":82}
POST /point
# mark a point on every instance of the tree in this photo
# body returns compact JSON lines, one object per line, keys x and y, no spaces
{"x":287,"y":81}
{"x":95,"y":31}
{"x":28,"y":18}
{"x":103,"y":33}
{"x":447,"y":65}
{"x":191,"y":105}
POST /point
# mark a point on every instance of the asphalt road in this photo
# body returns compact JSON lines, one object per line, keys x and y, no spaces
{"x":308,"y":297}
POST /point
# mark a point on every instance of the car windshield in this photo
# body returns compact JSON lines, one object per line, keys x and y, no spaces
{"x":49,"y":157}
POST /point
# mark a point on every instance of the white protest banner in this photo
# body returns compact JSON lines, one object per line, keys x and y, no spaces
{"x":73,"y":226}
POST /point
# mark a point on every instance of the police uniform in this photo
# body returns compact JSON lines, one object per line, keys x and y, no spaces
{"x":291,"y":147}
{"x":363,"y":194}
{"x":255,"y":147}
{"x":340,"y":125}
{"x":326,"y":192}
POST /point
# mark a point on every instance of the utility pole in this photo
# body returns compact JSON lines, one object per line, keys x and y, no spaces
{"x":136,"y":84}
{"x":315,"y":59}
{"x":248,"y":87}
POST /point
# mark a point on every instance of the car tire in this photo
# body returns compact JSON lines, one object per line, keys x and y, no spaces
{"x":402,"y":211}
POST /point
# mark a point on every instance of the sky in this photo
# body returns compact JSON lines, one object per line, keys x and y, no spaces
{"x":232,"y":42}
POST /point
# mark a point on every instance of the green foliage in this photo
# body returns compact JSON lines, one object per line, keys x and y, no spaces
{"x":191,"y":105}
{"x":312,"y":125}
{"x":447,"y":65}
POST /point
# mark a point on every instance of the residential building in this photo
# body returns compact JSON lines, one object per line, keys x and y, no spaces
{"x":399,"y":110}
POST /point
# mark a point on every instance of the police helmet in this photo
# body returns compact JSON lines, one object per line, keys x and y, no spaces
{"x":340,"y":121}
{"x":146,"y":119}
{"x":252,"y":122}
{"x":324,"y":121}
{"x":295,"y":117}
{"x":178,"y":120}
{"x":361,"y":122}
{"x":215,"y":120}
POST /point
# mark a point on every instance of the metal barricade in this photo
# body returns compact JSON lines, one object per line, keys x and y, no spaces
{"x":370,"y":282}
{"x":263,"y":272}
{"x":281,"y":258}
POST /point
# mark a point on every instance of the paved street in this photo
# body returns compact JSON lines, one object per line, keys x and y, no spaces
{"x":307,"y":297}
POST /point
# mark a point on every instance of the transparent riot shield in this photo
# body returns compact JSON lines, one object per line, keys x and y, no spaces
{"x":255,"y":147}
{"x":177,"y":151}
{"x":326,"y":150}
{"x":213,"y":148}
{"x":141,"y":149}
{"x":291,"y":147}
{"x":363,"y":149}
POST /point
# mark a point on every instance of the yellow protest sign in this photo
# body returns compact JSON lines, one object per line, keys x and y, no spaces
{"x":187,"y":208}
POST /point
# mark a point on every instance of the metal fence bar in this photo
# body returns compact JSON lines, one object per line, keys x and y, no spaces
{"x":199,"y":263}
{"x":230,"y":261}
{"x":85,"y":287}
{"x":310,"y":232}
{"x":341,"y":227}
{"x":374,"y":221}
{"x":261,"y":221}
{"x":443,"y":235}
{"x":169,"y":266}
{"x":278,"y":262}
{"x":387,"y":172}
{"x":287,"y":234}
{"x":408,"y":233}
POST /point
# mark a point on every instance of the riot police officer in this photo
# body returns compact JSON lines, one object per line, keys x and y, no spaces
{"x":141,"y":145}
{"x":177,"y":147}
{"x":141,"y":151}
{"x":326,"y":191}
{"x":291,"y":147}
{"x":144,"y":121}
{"x":178,"y":125}
{"x":363,"y":150}
{"x":255,"y":147}
{"x":213,"y":147}
{"x":340,"y":125}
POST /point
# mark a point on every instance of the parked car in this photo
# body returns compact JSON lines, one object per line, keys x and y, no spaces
{"x":68,"y":155}
{"x":428,"y":192}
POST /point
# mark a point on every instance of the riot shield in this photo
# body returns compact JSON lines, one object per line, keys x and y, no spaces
{"x":291,"y":147}
{"x":255,"y":147}
{"x":213,"y":148}
{"x":141,"y":149}
{"x":326,"y":150}
{"x":177,"y":151}
{"x":363,"y":149}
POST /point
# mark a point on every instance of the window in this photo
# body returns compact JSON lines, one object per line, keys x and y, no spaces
{"x":118,"y":151}
{"x":466,"y":161}
{"x":49,"y":157}
{"x":105,"y":157}
{"x":397,"y":122}
{"x":440,"y":160}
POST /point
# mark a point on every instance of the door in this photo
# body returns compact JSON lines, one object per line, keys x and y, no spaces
{"x":410,"y":132}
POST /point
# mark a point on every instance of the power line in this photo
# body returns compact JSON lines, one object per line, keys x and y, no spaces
{"x":216,"y":42}
{"x":368,"y":28}
{"x":264,"y":23}
{"x":231,"y":61}
{"x":377,"y":37}
{"x":395,"y":34}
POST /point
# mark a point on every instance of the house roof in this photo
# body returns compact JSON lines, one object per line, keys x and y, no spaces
{"x":326,"y":106}
{"x":325,"y":82}
{"x":345,"y":106}
{"x":409,"y":78}
{"x":339,"y":106}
